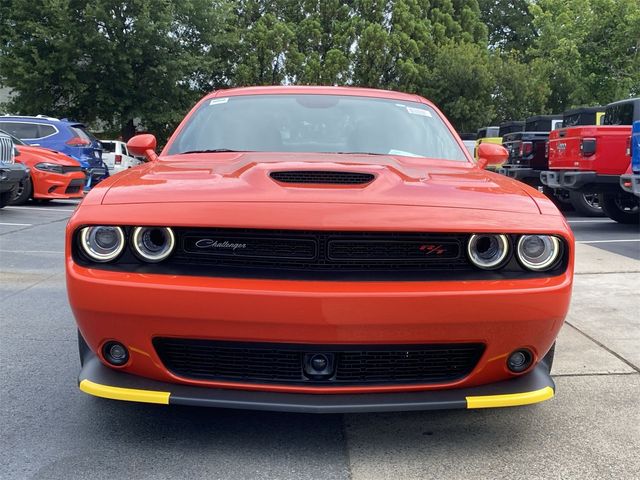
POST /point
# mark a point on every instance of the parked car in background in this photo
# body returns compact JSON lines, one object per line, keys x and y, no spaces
{"x":52,"y":175}
{"x":527,"y":149}
{"x":591,"y":159}
{"x":247,"y":275}
{"x":529,"y":157}
{"x":583,"y":116}
{"x":488,"y":135}
{"x":11,"y":173}
{"x":116,"y":156}
{"x":630,"y":182}
{"x":64,"y":136}
{"x":510,"y":127}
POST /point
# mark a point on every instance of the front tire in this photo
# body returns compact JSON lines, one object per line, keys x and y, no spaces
{"x":23,"y":192}
{"x":586,"y":204}
{"x":621,"y":206}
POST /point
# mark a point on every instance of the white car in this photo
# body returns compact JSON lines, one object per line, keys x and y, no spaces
{"x":116,"y":156}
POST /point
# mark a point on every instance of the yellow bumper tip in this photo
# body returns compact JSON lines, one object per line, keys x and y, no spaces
{"x":127,"y":394}
{"x":511,"y":399}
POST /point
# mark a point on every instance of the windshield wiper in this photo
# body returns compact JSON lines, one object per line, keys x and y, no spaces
{"x":213,"y":150}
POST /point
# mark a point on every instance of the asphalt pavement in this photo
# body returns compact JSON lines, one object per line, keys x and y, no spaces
{"x":51,"y":430}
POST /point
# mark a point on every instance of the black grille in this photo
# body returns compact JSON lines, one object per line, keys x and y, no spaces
{"x":69,"y":169}
{"x":274,"y":252}
{"x":283,"y":363}
{"x":6,"y":149}
{"x":323,"y":177}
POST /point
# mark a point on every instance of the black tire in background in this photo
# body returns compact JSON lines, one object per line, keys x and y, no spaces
{"x":622,"y":207}
{"x":23,"y":192}
{"x":5,"y":198}
{"x":586,"y":204}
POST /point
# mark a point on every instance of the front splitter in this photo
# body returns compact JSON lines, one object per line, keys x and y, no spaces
{"x":101,"y":381}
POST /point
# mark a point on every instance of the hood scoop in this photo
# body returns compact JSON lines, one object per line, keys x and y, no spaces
{"x":322,"y":177}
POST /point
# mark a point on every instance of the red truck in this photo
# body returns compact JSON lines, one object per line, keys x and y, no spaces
{"x":591,"y":159}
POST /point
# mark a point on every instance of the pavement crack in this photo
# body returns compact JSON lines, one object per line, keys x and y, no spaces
{"x":30,"y":286}
{"x":42,"y":224}
{"x":603,"y":346}
{"x":346,"y":447}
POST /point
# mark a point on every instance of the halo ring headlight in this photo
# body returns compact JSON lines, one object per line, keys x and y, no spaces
{"x":488,"y":251}
{"x":538,"y":252}
{"x":153,"y":244}
{"x":102,"y":243}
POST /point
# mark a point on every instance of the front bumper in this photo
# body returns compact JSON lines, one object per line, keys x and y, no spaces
{"x":95,"y":175}
{"x":100,"y":381}
{"x":580,"y":180}
{"x":57,"y":185}
{"x":631,"y":183}
{"x":502,"y":315}
{"x":11,"y":175}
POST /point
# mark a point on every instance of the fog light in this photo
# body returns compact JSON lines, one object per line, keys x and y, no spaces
{"x":519,"y":360}
{"x":115,"y":353}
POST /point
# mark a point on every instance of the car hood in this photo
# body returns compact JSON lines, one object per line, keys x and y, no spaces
{"x":46,"y":155}
{"x":246,"y":177}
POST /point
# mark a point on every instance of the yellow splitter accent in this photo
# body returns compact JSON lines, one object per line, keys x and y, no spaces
{"x":119,"y":393}
{"x":152,"y":396}
{"x":510,"y":399}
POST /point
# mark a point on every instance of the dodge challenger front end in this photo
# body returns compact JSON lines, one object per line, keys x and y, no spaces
{"x":317,"y":250}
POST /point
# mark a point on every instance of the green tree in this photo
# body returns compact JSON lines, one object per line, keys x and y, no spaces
{"x":324,"y":32}
{"x":521,"y":89}
{"x":106,"y":59}
{"x":461,"y":84}
{"x":588,"y":58}
{"x":510,"y":24}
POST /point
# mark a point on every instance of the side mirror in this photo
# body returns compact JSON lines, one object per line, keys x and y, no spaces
{"x":143,"y":145}
{"x":491,"y":154}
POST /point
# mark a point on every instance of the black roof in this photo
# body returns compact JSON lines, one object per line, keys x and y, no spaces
{"x":512,"y":123}
{"x":535,"y":118}
{"x":575,"y":111}
{"x":626,"y":100}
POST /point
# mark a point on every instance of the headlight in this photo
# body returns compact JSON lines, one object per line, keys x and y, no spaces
{"x":538,"y":252}
{"x":101,"y":243}
{"x":49,"y":167}
{"x":488,"y":251}
{"x":152,"y":244}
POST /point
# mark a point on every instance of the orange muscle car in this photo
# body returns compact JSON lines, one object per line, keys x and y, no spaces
{"x":317,"y":249}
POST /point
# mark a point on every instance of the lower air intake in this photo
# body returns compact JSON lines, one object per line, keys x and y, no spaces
{"x":284,"y":363}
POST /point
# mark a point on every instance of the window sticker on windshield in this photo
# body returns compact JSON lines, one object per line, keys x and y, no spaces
{"x":419,"y":111}
{"x":217,"y":101}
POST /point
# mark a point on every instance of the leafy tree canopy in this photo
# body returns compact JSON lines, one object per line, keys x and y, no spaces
{"x":481,"y":61}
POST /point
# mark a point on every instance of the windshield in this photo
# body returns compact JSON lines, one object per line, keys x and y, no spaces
{"x":317,"y":123}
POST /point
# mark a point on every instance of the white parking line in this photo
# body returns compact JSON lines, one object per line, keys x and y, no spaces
{"x":42,"y":209}
{"x":599,"y":220}
{"x":17,"y":224}
{"x":611,"y":241}
{"x":33,"y":251}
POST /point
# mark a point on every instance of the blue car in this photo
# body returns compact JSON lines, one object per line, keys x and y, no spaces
{"x":65,"y":136}
{"x":631,"y":181}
